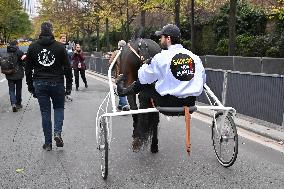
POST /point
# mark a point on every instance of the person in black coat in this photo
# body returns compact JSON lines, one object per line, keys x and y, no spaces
{"x":15,"y":79}
{"x":47,"y":63}
{"x":79,"y":66}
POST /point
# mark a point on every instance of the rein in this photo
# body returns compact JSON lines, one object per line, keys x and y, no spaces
{"x":135,"y":52}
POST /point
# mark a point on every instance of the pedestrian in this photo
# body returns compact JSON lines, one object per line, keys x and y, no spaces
{"x":63,"y":40}
{"x":122,"y":104}
{"x":13,"y":68}
{"x":68,"y":47}
{"x":47,"y":63}
{"x":79,"y":66}
{"x":178,"y":74}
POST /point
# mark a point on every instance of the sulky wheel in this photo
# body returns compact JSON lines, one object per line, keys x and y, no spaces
{"x":225,"y":139}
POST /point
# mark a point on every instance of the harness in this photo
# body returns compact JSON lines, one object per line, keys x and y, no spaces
{"x":139,"y":53}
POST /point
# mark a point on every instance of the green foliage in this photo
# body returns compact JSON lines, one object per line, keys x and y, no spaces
{"x":278,"y":11}
{"x":244,"y":45}
{"x":14,"y":22}
{"x":186,"y":43}
{"x":250,"y":20}
{"x":185,"y":29}
{"x":18,"y":24}
{"x":279,"y":27}
{"x":254,"y":46}
{"x":262,"y":44}
{"x":281,"y":45}
{"x":208,"y":40}
{"x":222,"y":47}
{"x":79,"y":20}
{"x":272,"y":52}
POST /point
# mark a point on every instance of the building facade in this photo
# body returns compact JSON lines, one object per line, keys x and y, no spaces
{"x":30,"y":7}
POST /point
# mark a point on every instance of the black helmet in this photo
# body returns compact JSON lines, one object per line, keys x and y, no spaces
{"x":170,"y":30}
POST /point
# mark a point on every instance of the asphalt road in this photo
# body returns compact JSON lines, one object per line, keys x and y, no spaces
{"x":23,"y":163}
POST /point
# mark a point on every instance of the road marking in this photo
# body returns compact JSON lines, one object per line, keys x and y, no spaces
{"x":241,"y":132}
{"x":2,"y":80}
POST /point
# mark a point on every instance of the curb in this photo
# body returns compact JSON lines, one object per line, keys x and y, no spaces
{"x":255,"y":128}
{"x":251,"y":126}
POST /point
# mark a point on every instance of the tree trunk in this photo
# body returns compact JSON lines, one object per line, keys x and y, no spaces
{"x":77,"y":35}
{"x":127,"y":22}
{"x":142,"y":26}
{"x":192,"y":27}
{"x":98,"y":35}
{"x":232,"y":28}
{"x":142,"y":23}
{"x":89,"y":41}
{"x":84,"y":40}
{"x":177,"y":12}
{"x":107,"y":35}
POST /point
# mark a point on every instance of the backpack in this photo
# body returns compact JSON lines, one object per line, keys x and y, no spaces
{"x":8,"y":64}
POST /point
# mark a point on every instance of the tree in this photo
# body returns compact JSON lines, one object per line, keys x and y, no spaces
{"x":192,"y":27}
{"x":18,"y":24}
{"x":232,"y":28}
{"x":177,"y":13}
{"x":14,"y":22}
{"x":88,"y":18}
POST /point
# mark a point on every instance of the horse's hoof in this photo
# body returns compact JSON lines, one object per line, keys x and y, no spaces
{"x":136,"y":145}
{"x":154,"y":148}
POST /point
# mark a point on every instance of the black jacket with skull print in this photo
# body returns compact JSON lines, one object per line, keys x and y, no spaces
{"x":47,"y":60}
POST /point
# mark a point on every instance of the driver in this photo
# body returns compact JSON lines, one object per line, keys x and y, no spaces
{"x":178,"y":74}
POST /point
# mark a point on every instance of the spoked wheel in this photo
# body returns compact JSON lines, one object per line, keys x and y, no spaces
{"x":225,"y":139}
{"x":103,"y":147}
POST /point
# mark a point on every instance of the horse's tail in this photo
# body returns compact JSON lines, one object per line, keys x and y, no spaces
{"x":147,"y":124}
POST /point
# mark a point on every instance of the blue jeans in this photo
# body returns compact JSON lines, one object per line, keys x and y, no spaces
{"x":15,"y":91}
{"x":122,"y":101}
{"x":46,"y":90}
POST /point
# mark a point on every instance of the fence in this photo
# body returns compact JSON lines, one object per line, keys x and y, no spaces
{"x":233,"y":63}
{"x":256,"y":95}
{"x":245,"y":64}
{"x":99,"y":65}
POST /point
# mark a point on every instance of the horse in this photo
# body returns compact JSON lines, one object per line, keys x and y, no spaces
{"x":145,"y":126}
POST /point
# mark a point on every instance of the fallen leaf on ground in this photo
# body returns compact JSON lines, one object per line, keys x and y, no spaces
{"x":19,"y":170}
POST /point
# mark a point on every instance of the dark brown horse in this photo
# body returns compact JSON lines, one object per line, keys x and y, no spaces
{"x":145,"y":126}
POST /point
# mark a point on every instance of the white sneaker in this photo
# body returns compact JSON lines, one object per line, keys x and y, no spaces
{"x":68,"y":98}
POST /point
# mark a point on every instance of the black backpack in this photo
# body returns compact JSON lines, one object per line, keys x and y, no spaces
{"x":8,"y":64}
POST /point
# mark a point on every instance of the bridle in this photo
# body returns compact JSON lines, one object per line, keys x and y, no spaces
{"x":139,"y":53}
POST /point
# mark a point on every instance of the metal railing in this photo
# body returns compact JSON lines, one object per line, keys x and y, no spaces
{"x":245,"y":64}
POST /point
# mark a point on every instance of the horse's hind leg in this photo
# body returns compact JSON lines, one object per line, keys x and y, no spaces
{"x":133,"y":106}
{"x":135,"y":135}
{"x":155,"y":121}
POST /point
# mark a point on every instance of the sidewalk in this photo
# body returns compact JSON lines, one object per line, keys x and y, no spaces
{"x":250,"y":124}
